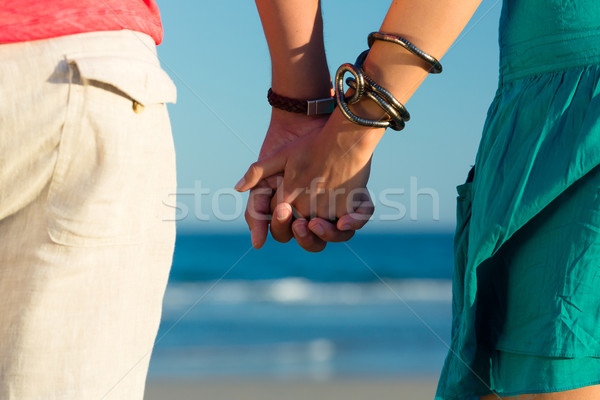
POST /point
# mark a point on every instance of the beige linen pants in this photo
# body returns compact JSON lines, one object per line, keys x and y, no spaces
{"x":86,"y":240}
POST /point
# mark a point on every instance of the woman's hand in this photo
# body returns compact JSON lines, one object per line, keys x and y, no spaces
{"x":325,"y":172}
{"x":285,"y":128}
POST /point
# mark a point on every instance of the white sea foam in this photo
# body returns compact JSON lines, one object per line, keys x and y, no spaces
{"x":302,"y":291}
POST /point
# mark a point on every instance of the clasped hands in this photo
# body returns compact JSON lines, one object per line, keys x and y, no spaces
{"x":310,"y":181}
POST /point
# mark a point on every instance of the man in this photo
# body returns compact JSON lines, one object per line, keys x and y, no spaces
{"x":86,"y":159}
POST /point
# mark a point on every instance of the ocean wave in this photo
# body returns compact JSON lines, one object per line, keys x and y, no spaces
{"x":303,"y":291}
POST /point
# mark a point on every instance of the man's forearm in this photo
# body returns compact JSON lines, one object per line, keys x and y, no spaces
{"x":294,"y":33}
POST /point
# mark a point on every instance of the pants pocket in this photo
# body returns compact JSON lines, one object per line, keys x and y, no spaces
{"x":116,"y":159}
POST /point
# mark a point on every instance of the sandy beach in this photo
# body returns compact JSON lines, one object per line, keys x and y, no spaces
{"x":355,"y":389}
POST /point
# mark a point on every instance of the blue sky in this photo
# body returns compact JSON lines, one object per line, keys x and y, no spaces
{"x":216,"y":54}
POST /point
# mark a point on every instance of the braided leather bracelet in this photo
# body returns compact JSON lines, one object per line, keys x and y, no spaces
{"x":304,"y":106}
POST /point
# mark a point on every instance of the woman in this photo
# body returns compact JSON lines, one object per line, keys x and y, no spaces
{"x":525,"y":303}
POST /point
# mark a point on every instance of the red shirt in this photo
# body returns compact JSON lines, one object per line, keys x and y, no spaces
{"x":23,"y":20}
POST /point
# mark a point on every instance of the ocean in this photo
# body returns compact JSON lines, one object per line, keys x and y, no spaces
{"x":377,"y":306}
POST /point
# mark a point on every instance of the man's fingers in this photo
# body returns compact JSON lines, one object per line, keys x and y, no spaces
{"x":281,"y":223}
{"x":358,"y":218}
{"x":258,"y":214}
{"x":264,"y":168}
{"x":258,"y":235}
{"x":305,"y":238}
{"x":328,"y":231}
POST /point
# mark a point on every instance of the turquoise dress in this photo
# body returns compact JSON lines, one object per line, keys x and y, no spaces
{"x":526,"y":290}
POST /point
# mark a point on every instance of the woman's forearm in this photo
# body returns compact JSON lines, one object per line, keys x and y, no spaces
{"x":294,"y":33}
{"x":431,"y":25}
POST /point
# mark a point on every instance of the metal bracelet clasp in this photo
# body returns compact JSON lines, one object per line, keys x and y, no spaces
{"x":320,"y":106}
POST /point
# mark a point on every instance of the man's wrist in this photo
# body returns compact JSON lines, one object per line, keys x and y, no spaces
{"x":305,"y":78}
{"x":317,"y":106}
{"x":302,"y":86}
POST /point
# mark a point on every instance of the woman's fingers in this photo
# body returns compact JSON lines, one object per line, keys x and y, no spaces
{"x":261,"y":169}
{"x":305,"y":238}
{"x":328,"y":231}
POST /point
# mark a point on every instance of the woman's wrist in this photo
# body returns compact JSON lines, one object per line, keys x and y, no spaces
{"x":387,"y":61}
{"x":346,"y":137}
